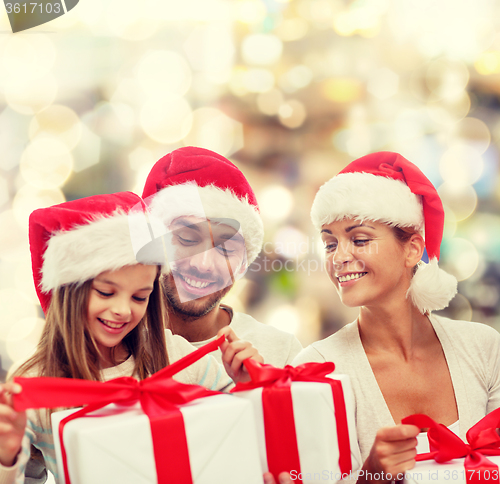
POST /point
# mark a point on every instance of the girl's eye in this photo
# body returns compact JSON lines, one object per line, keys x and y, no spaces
{"x":140,"y":299}
{"x":104,"y":294}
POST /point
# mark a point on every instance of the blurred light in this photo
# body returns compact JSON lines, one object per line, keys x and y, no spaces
{"x":57,"y":121}
{"x":383,"y":83}
{"x":13,"y":137}
{"x":166,"y":120}
{"x":291,"y":243}
{"x":296,"y":78}
{"x":250,"y":11}
{"x":462,"y":258}
{"x":450,"y":219}
{"x":87,"y":152}
{"x":261,"y":49}
{"x":4,"y":191}
{"x":214,"y":130}
{"x":292,"y":29}
{"x":344,"y":24}
{"x":488,"y":63}
{"x":112,"y":120}
{"x":140,"y":157}
{"x":269,"y":102}
{"x":292,"y":114}
{"x":24,"y":279}
{"x":285,"y":318}
{"x":29,"y":198}
{"x":474,"y":132}
{"x":13,"y":237}
{"x":163,"y":72}
{"x":483,"y":230}
{"x":342,"y":90}
{"x":258,"y":80}
{"x":27,"y":57}
{"x":131,"y":20}
{"x":460,"y":199}
{"x":15,"y":307}
{"x":275,"y":202}
{"x":31,"y":96}
{"x":210,"y":48}
{"x":46,"y":163}
{"x":461,"y":308}
{"x":23,"y":338}
{"x":461,"y":165}
{"x":447,"y":79}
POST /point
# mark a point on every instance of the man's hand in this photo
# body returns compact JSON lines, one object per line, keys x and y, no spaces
{"x":284,"y":478}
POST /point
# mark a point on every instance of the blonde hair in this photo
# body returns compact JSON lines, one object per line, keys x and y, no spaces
{"x":67,"y":349}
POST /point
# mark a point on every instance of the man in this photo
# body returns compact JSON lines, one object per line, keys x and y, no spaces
{"x":214,"y":233}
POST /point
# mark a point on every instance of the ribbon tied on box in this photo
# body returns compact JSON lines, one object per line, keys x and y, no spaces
{"x":159,"y":396}
{"x":281,"y":437}
{"x":482,"y":440}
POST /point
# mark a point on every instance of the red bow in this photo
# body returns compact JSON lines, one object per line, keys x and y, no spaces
{"x":281,"y":438}
{"x":482,"y":440}
{"x":159,"y":396}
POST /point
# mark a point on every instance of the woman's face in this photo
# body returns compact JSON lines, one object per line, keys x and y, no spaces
{"x":117,"y":302}
{"x":365,"y":262}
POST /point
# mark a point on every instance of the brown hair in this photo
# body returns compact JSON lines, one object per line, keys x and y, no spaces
{"x":67,"y":349}
{"x":403,"y":235}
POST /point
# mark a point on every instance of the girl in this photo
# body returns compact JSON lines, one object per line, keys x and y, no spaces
{"x":104,"y":316}
{"x":375,"y":217}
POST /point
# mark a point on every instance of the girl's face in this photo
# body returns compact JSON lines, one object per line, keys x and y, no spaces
{"x":117,"y":302}
{"x":365,"y":262}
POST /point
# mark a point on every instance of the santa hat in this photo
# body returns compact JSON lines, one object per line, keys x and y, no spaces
{"x":199,"y":182}
{"x":75,"y":241}
{"x":386,"y":187}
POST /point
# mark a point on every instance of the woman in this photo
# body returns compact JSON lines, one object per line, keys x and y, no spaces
{"x":376,"y":217}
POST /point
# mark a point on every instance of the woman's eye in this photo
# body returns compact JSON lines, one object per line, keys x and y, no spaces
{"x":105,"y":294}
{"x":361,"y":242}
{"x":330,"y":247}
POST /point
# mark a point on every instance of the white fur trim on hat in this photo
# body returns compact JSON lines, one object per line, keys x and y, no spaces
{"x":367,"y":197}
{"x":80,"y":254}
{"x":210,"y":202}
{"x":431,"y":288}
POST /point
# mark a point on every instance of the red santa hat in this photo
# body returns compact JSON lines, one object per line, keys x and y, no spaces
{"x":386,"y":187}
{"x":199,"y":182}
{"x":75,"y":241}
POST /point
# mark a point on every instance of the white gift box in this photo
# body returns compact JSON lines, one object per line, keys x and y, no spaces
{"x":117,"y":447}
{"x":316,"y":429}
{"x":452,"y":472}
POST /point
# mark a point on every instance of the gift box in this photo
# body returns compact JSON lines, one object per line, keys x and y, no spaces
{"x":152,"y":431}
{"x":220,"y":434}
{"x":451,"y":460}
{"x":305,"y":420}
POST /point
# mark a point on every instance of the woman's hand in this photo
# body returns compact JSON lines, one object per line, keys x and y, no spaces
{"x":392,"y":454}
{"x":234,"y":352}
{"x":12,"y":425}
{"x":284,"y":478}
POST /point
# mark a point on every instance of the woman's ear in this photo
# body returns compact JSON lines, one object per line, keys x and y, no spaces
{"x":415,"y":249}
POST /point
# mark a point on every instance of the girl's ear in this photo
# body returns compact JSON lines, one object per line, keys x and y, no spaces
{"x":415,"y":249}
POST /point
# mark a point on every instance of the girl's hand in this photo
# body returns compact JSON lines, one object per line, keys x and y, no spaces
{"x":392,"y":453}
{"x":284,"y":478}
{"x":234,"y":352}
{"x":12,"y":425}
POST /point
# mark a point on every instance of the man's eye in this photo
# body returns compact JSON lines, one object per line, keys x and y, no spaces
{"x":223,"y":250}
{"x":185,"y":241}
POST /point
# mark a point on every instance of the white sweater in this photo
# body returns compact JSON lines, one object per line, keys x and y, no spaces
{"x":472,"y":351}
{"x":206,"y":372}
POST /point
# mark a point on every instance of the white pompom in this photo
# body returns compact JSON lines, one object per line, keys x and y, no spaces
{"x":431,"y":288}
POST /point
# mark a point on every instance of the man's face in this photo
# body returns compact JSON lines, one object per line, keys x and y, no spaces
{"x":206,"y":257}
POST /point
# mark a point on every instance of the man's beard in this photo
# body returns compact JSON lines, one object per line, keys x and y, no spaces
{"x":190,"y":309}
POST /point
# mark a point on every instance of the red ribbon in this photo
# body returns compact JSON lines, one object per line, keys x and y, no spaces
{"x":482,"y":440}
{"x":279,"y":423}
{"x":159,"y":396}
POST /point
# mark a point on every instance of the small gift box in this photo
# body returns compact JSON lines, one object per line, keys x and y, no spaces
{"x":451,"y":460}
{"x":305,"y":420}
{"x":152,"y":431}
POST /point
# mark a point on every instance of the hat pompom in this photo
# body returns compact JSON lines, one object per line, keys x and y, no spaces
{"x":431,"y":288}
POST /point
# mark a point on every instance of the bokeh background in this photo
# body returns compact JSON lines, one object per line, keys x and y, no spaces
{"x":290,"y":91}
